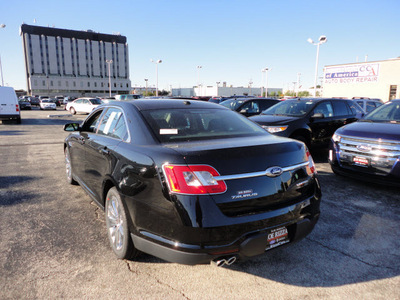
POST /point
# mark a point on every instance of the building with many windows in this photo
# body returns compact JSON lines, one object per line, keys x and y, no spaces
{"x":74,"y":63}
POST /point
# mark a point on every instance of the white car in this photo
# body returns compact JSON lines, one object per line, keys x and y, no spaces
{"x":82,"y":105}
{"x":47,"y":104}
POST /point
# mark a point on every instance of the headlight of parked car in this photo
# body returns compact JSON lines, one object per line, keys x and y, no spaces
{"x":336,"y":138}
{"x":275,"y":129}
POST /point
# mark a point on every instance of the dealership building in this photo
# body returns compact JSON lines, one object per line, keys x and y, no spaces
{"x":375,"y":79}
{"x":74,"y":63}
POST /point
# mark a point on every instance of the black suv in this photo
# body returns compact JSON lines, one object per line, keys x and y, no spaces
{"x":312,"y":121}
{"x":249,"y":106}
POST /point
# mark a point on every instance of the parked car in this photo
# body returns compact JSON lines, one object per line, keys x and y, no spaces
{"x":9,"y":106}
{"x":249,"y":106}
{"x":312,"y":121}
{"x":68,"y":99}
{"x":191,"y":182}
{"x":47,"y":103}
{"x":83,"y":105}
{"x":368,"y":104}
{"x":59,"y":100}
{"x":127,"y":97}
{"x":370,"y":148}
{"x":34,"y":101}
{"x":24,"y":104}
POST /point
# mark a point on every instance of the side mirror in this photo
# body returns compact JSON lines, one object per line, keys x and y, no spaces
{"x":318,"y":116}
{"x":71,"y":127}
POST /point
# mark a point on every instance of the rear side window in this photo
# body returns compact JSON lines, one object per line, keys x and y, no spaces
{"x":340,"y":108}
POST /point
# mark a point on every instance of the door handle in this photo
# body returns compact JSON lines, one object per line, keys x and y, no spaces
{"x":104,"y":151}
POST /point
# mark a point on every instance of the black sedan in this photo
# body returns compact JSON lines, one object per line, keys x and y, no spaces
{"x":249,"y":106}
{"x":192,"y":182}
{"x":312,"y":121}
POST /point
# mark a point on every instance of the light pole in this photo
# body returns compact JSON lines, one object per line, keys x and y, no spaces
{"x":250,"y":83}
{"x":146,"y":85}
{"x":109,"y":62}
{"x":266,"y":81}
{"x":1,"y":67}
{"x":156,"y":62}
{"x":322,"y":39}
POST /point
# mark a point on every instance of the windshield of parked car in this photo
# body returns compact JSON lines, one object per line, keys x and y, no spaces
{"x":293,"y":108}
{"x":95,"y":101}
{"x":232,"y":104}
{"x":389,"y":112}
{"x":179,"y":125}
{"x":46,"y":101}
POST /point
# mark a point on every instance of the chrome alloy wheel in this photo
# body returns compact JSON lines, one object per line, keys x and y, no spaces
{"x":115,"y":222}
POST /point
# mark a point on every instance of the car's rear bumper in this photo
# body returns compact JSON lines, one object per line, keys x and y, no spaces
{"x":250,"y":244}
{"x":10,"y":117}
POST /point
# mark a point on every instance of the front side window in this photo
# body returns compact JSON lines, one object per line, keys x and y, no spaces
{"x":91,"y":124}
{"x":324,"y":108}
{"x":113,"y":124}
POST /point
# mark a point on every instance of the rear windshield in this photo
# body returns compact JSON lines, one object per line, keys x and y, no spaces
{"x":293,"y":108}
{"x":179,"y":125}
{"x":95,"y":101}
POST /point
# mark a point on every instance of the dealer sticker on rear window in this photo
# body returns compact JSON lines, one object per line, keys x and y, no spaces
{"x":168,"y":131}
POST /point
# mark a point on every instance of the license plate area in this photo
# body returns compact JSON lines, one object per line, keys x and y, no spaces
{"x":277,"y":237}
{"x":361,"y":161}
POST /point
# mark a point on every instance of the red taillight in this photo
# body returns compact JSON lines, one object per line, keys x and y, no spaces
{"x":311,"y":166}
{"x":193,"y":179}
{"x":16,"y":107}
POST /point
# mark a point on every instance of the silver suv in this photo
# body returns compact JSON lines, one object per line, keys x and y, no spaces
{"x":368,"y":104}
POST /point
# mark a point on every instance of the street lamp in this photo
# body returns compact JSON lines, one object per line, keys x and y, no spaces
{"x":1,"y":67}
{"x":250,"y":83}
{"x":156,"y":62}
{"x":266,"y":81}
{"x":322,"y":39}
{"x":146,"y":85}
{"x":109,"y":62}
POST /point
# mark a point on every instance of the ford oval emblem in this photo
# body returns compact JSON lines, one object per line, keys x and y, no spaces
{"x":364,"y":148}
{"x":274,"y":171}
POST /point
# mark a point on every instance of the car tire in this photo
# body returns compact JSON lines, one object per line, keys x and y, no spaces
{"x":18,"y":120}
{"x":72,"y":111}
{"x":117,"y":226}
{"x":68,"y":168}
{"x":301,"y":139}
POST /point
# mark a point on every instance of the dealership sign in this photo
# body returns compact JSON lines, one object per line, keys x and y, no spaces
{"x":356,"y":73}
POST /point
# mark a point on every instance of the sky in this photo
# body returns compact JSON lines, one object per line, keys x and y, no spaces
{"x":232,"y":40}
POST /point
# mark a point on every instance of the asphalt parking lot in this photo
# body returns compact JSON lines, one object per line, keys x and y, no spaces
{"x":54,"y":244}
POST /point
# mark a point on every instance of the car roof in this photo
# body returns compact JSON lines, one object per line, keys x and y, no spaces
{"x":150,"y":104}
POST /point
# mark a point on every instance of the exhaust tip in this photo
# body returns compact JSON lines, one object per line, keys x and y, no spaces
{"x":220,"y":262}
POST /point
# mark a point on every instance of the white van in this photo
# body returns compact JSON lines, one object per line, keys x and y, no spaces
{"x":9,"y":107}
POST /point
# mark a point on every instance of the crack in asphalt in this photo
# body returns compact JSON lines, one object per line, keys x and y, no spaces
{"x":98,"y":212}
{"x":352,"y":257}
{"x":156,"y":279}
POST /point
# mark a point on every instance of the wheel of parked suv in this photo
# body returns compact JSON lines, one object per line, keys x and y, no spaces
{"x":68,"y":167}
{"x":72,"y":111}
{"x":301,"y":139}
{"x":117,"y":226}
